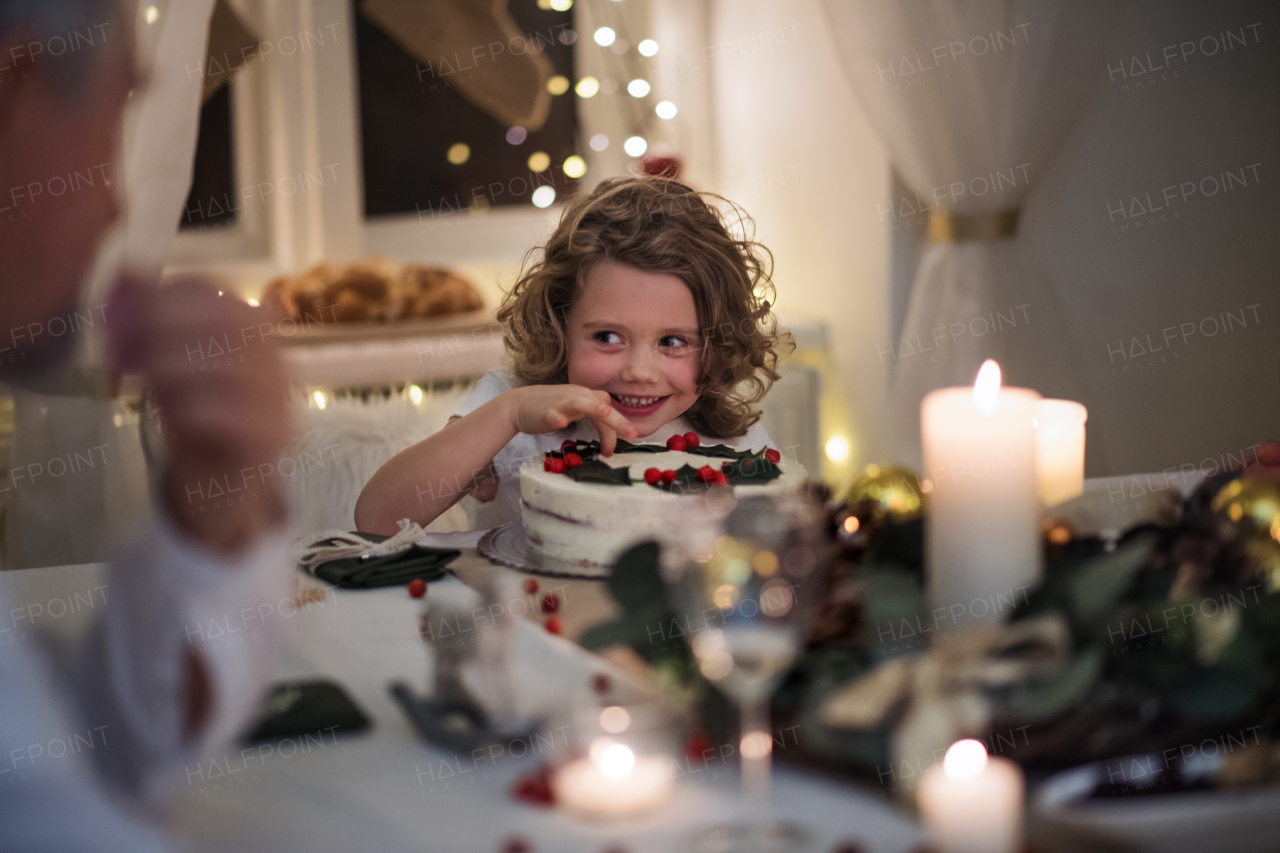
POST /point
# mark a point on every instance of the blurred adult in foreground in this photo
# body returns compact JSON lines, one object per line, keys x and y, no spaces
{"x":146,"y":694}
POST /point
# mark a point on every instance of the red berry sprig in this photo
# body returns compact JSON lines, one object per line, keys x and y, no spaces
{"x":652,"y":476}
{"x":568,"y":444}
{"x":536,"y":788}
{"x":553,"y":625}
{"x":691,"y":439}
{"x":550,"y":603}
{"x":553,"y":464}
{"x":706,"y":474}
{"x":572,"y":460}
{"x":1269,"y":455}
{"x":773,"y":456}
{"x":530,"y":585}
{"x":417,"y":588}
{"x":676,"y":442}
{"x":697,"y":745}
{"x":668,"y":476}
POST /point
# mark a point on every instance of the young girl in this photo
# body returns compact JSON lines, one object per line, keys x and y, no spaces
{"x":644,"y":317}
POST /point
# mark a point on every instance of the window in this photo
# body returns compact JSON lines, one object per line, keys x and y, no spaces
{"x":212,"y":200}
{"x":427,"y":150}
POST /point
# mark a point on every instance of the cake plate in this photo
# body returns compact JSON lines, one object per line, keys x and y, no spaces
{"x":508,"y":545}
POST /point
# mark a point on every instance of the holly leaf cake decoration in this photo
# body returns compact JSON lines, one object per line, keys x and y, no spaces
{"x":595,"y":471}
{"x":756,"y":468}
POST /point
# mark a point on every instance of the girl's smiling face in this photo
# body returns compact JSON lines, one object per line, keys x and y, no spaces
{"x":634,"y":334}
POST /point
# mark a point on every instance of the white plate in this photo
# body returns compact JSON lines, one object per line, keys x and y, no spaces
{"x":1186,"y":821}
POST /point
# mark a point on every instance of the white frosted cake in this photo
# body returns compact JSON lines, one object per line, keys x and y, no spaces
{"x":583,"y":516}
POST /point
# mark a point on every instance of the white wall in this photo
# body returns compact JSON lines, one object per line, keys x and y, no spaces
{"x":789,"y":108}
{"x":1210,"y":394}
{"x":796,"y":152}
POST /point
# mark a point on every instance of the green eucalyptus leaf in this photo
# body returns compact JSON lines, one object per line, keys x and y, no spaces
{"x":635,"y":628}
{"x":1046,"y":698}
{"x":1212,"y":693}
{"x":635,"y":583}
{"x":1098,"y":586}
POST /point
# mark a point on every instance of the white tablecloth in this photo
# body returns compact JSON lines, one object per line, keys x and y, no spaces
{"x":376,"y":791}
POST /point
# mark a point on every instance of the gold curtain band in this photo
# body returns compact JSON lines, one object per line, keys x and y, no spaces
{"x":947,"y":227}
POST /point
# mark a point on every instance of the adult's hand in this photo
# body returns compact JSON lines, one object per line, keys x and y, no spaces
{"x":216,"y":374}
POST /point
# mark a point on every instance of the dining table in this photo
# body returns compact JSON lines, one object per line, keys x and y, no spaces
{"x":386,"y":789}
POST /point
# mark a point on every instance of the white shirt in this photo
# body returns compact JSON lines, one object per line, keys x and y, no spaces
{"x":113,"y":706}
{"x":505,"y":507}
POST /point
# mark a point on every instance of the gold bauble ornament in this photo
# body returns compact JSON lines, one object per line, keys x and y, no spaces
{"x":895,"y":490}
{"x":1254,"y":503}
{"x":1255,"y":500}
{"x":1265,"y":554}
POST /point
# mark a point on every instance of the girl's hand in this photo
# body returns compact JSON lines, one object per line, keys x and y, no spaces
{"x":541,"y":409}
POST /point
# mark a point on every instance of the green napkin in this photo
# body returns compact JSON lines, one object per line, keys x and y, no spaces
{"x":316,"y":707}
{"x":416,"y":561}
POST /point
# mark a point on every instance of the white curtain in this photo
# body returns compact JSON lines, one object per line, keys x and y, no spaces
{"x":970,"y":98}
{"x":78,"y":515}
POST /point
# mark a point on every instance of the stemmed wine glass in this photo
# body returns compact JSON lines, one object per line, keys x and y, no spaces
{"x":743,"y":575}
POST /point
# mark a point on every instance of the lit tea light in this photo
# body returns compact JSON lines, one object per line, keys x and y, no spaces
{"x":613,"y":781}
{"x":972,"y":803}
{"x":983,"y":541}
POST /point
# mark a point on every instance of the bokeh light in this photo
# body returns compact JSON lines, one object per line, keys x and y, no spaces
{"x":459,"y":153}
{"x":544,"y":196}
{"x":635,"y":146}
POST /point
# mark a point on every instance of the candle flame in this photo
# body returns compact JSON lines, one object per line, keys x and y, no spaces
{"x":966,"y":758}
{"x":986,"y":388}
{"x":618,"y":760}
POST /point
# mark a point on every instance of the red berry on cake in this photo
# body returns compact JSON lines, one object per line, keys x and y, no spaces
{"x":691,"y":439}
{"x":600,"y":683}
{"x":568,"y":444}
{"x":417,"y":588}
{"x":773,"y":456}
{"x":720,"y":479}
{"x":572,"y":460}
{"x":652,"y":476}
{"x":676,"y":442}
{"x":550,"y":603}
{"x":554,"y":465}
{"x":553,"y":625}
{"x":530,"y":586}
{"x":706,"y":474}
{"x":668,"y":476}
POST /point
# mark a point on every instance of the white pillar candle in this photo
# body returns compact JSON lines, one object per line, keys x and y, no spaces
{"x":1060,"y":450}
{"x":972,"y":803}
{"x":613,"y":781}
{"x":983,"y":542}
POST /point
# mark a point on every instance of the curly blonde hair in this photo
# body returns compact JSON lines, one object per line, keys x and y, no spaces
{"x":657,"y":225}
